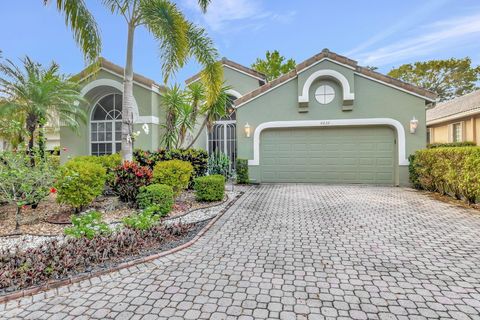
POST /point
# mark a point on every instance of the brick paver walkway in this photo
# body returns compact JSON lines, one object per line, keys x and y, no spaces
{"x":302,"y":252}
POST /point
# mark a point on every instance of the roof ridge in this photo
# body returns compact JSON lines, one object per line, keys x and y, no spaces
{"x":327,"y":54}
{"x":226,"y":61}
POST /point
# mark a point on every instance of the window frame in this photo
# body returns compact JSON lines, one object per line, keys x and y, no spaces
{"x":453,"y":131}
{"x":113,"y":142}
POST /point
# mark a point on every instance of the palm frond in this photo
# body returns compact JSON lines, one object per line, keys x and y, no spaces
{"x":204,"y":51}
{"x":204,"y":4}
{"x":169,"y":27}
{"x":83,"y":25}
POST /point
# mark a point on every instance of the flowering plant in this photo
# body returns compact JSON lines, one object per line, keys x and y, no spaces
{"x":129,"y":177}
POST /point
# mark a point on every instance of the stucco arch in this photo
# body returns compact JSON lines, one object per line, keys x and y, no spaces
{"x":234,"y":93}
{"x":327,"y":73}
{"x":113,"y":84}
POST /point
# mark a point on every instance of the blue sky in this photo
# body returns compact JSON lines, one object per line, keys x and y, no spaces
{"x":373,"y":32}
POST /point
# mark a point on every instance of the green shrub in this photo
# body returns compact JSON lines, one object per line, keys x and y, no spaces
{"x":198,"y":158}
{"x":454,"y":171}
{"x":210,"y":188}
{"x":109,"y":162}
{"x":159,"y":195}
{"x":129,"y":178}
{"x":173,"y":173}
{"x":242,"y":171}
{"x":88,"y":226}
{"x":451,"y":145}
{"x":143,"y":220}
{"x":79,"y":183}
{"x":219,"y":163}
{"x":21,"y":184}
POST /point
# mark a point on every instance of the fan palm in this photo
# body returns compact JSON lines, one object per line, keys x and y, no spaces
{"x":39,"y":95}
{"x":178,"y":40}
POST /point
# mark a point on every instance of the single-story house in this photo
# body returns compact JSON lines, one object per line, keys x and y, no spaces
{"x":327,"y":121}
{"x":457,"y":120}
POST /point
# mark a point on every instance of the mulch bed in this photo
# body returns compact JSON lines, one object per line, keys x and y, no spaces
{"x":50,"y":218}
{"x":450,"y":200}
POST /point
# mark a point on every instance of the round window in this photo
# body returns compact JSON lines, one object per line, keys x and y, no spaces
{"x":324,"y":94}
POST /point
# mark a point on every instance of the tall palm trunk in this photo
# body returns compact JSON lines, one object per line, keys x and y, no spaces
{"x":41,"y":141}
{"x":127,"y":104}
{"x":31,"y":125}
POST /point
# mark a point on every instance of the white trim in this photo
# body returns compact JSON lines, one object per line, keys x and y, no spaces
{"x":347,"y":94}
{"x":155,"y":87}
{"x":117,"y":85}
{"x":263,"y":93}
{"x":395,"y":87}
{"x":452,"y":133}
{"x":454,"y":117}
{"x":328,"y":59}
{"x":147,"y":120}
{"x":402,"y":159}
{"x":246,"y":73}
{"x":234,"y":93}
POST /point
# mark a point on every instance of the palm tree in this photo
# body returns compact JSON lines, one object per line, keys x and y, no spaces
{"x":39,"y":95}
{"x":173,"y":100}
{"x":178,"y":40}
{"x":213,"y":112}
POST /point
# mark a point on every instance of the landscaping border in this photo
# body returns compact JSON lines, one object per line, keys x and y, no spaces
{"x":7,"y":301}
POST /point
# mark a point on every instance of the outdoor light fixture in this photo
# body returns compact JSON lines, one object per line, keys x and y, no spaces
{"x":247,"y":130}
{"x":413,"y":125}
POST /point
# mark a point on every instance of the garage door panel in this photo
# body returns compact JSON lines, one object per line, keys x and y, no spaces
{"x":328,"y":155}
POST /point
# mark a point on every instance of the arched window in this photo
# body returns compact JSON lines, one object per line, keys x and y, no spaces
{"x":106,"y":125}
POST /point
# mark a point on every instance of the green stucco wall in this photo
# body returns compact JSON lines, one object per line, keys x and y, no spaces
{"x":372,"y":100}
{"x":149,"y":105}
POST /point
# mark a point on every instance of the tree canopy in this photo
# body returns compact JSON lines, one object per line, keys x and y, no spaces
{"x":274,"y":65}
{"x":449,"y":78}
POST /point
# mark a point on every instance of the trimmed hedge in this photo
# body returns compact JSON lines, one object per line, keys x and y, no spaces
{"x":242,"y":171}
{"x":451,"y":145}
{"x":198,"y":158}
{"x":210,"y":188}
{"x":173,"y":173}
{"x":454,"y":171}
{"x":159,"y":195}
{"x":109,"y":162}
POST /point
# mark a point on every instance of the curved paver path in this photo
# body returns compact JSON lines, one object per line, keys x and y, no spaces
{"x":302,"y":251}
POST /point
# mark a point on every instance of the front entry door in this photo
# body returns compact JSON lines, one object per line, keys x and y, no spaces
{"x":223,"y":138}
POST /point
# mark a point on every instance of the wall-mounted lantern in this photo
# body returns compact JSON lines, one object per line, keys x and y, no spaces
{"x":248,"y":130}
{"x":413,"y":125}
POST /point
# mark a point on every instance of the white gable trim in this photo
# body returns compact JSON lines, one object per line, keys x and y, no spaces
{"x":395,"y":87}
{"x":347,"y":94}
{"x":402,"y":159}
{"x":326,"y":59}
{"x":263,"y":93}
{"x":245,"y":73}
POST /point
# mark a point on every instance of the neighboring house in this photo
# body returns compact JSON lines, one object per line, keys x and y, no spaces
{"x":327,"y":121}
{"x":456,"y":120}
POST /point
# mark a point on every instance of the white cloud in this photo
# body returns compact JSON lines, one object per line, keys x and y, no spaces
{"x":415,"y":14}
{"x":427,"y":39}
{"x":228,"y":15}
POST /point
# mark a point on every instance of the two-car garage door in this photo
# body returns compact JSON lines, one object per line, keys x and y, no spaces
{"x":328,"y":155}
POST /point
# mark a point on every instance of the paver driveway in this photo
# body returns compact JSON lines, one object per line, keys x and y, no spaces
{"x":303,"y":251}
